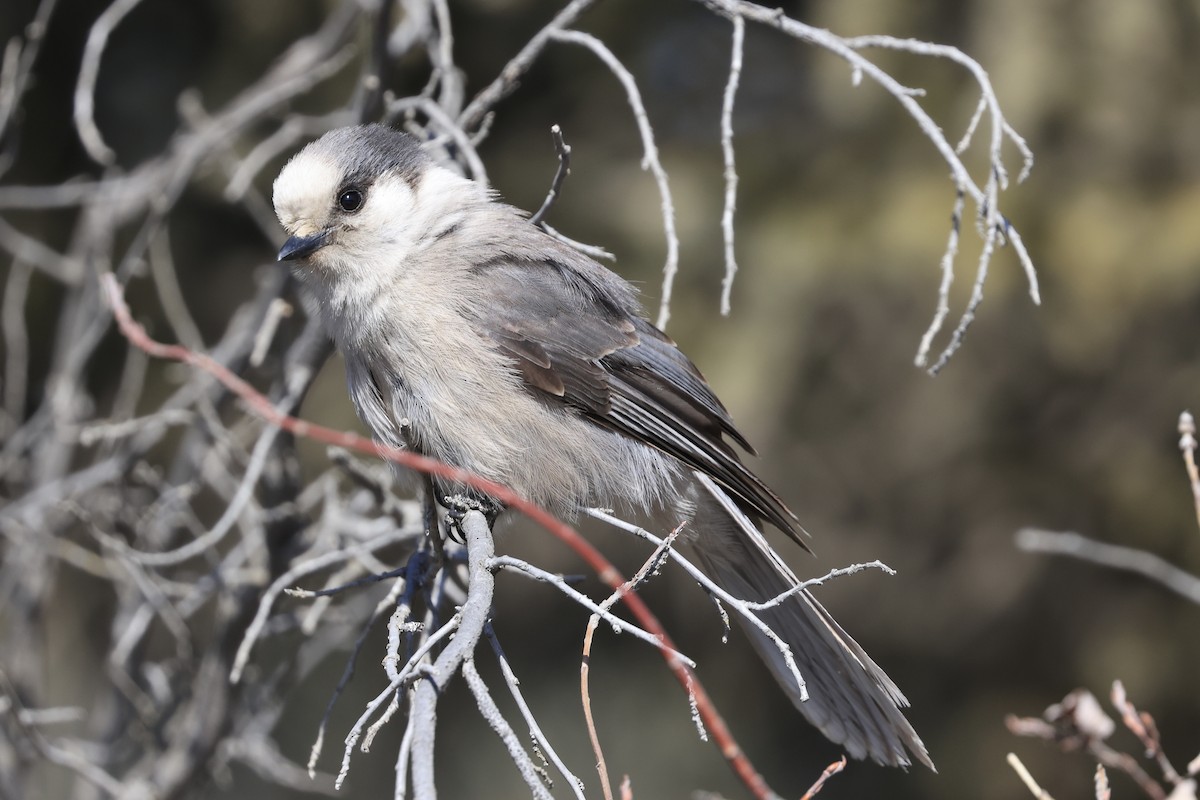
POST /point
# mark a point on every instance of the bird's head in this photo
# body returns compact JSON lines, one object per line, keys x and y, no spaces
{"x":361,"y":196}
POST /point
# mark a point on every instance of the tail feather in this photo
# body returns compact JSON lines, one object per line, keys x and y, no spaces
{"x":850,"y":698}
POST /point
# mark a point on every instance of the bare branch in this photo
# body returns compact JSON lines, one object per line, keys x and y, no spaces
{"x":650,"y":160}
{"x":947,"y":268}
{"x":1187,"y":445}
{"x":1034,"y":540}
{"x":417,"y":667}
{"x":829,"y":772}
{"x":473,"y":115}
{"x":560,"y":175}
{"x":306,"y":567}
{"x":89,"y":71}
{"x":525,"y":568}
{"x":1102,"y":790}
{"x":986,"y":197}
{"x":448,"y":127}
{"x":16,"y":341}
{"x":510,"y":680}
{"x":203,"y":515}
{"x":491,"y":714}
{"x":731,"y":176}
{"x":650,"y":567}
{"x":1026,"y":778}
{"x":24,"y":248}
{"x":66,"y":757}
{"x":474,"y":615}
{"x":16,"y":71}
{"x":1142,"y":725}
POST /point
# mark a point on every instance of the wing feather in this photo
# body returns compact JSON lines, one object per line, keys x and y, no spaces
{"x":576,"y":334}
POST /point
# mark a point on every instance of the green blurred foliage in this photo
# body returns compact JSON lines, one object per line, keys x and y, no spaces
{"x":1061,"y":416}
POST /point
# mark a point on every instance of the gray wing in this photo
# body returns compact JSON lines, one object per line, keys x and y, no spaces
{"x":575,"y":332}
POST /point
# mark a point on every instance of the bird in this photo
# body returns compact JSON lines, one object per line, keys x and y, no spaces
{"x":473,"y":336}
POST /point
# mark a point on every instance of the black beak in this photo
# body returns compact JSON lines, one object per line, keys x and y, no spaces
{"x":302,"y":246}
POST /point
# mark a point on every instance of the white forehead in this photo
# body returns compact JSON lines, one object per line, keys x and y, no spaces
{"x":306,"y":186}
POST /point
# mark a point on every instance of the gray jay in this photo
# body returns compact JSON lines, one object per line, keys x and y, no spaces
{"x":472,"y":336}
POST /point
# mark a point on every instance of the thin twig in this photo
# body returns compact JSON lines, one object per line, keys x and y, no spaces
{"x":992,"y":223}
{"x":288,"y":579}
{"x":348,"y":671}
{"x":1142,"y":725}
{"x":242,"y":499}
{"x":510,"y":679}
{"x":1027,"y":778}
{"x":731,"y":176}
{"x":89,"y":71}
{"x":411,"y":670}
{"x":1102,"y":790}
{"x":650,"y":160}
{"x":278,"y":310}
{"x":563,"y":150}
{"x":947,"y":269}
{"x":648,"y":568}
{"x":525,"y":568}
{"x":448,"y":125}
{"x":1034,"y":540}
{"x":590,"y":250}
{"x":829,"y":772}
{"x":492,"y":715}
{"x":477,"y":110}
{"x":16,"y":340}
{"x":62,"y":268}
{"x":589,"y":720}
{"x":55,"y":754}
{"x":449,"y":76}
{"x":17,"y":72}
{"x":743,"y":608}
{"x":1187,"y":444}
{"x":968,"y":315}
{"x":370,"y":83}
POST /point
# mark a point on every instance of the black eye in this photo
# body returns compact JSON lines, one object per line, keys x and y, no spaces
{"x":350,"y":200}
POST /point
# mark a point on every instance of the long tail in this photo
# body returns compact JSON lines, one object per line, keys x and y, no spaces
{"x":850,"y":699}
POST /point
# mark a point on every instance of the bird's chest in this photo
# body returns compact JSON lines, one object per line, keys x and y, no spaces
{"x":445,"y":385}
{"x":434,"y":381}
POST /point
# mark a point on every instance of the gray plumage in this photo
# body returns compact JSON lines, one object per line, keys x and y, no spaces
{"x":473,"y":337}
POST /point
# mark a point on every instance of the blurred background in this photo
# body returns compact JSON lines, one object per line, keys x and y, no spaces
{"x":1061,"y":416}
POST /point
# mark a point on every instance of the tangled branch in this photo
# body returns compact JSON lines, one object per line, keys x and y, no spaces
{"x":198,"y":518}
